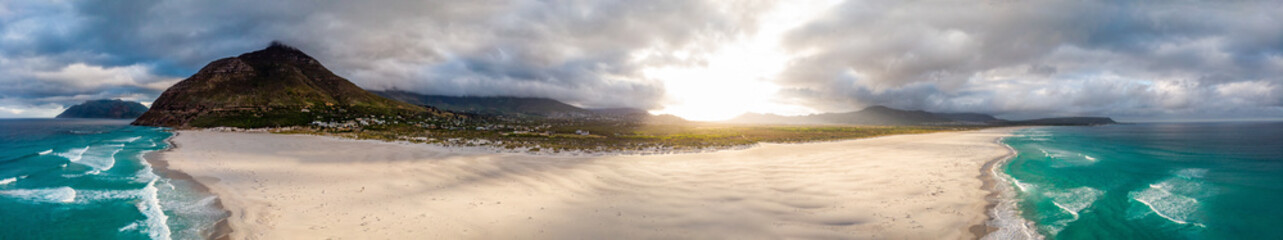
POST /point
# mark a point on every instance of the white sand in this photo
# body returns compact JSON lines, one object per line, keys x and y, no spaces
{"x":310,"y":187}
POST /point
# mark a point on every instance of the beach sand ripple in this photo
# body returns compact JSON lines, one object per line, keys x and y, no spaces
{"x":309,"y":187}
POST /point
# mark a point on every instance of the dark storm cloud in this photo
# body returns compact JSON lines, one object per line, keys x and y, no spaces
{"x":1142,"y":58}
{"x":1137,"y":59}
{"x":575,"y":51}
{"x":568,"y":50}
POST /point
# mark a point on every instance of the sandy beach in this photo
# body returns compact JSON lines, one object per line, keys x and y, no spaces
{"x":925,"y":186}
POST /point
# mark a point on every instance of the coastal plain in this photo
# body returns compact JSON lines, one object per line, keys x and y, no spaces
{"x":917,"y":186}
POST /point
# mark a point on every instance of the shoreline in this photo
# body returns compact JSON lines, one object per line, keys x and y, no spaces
{"x":225,"y":229}
{"x":989,"y":183}
{"x":221,"y":229}
{"x":996,"y":206}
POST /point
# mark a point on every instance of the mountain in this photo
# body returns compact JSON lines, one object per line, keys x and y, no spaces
{"x":276,"y":86}
{"x":637,"y":115}
{"x":526,"y":107}
{"x":619,"y":111}
{"x":105,"y":108}
{"x":759,"y":118}
{"x":500,"y":106}
{"x":1074,"y":121}
{"x":881,"y":115}
{"x":875,"y":115}
{"x":497,"y":106}
{"x":969,"y":117}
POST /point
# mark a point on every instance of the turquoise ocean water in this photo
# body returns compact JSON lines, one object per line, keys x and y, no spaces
{"x":1150,"y":181}
{"x":86,"y":179}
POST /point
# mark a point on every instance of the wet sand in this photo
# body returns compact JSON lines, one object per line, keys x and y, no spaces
{"x":221,"y":229}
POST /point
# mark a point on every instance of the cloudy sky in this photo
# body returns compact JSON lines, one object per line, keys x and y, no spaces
{"x":704,"y":60}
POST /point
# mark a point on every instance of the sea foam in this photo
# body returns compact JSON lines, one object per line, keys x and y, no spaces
{"x":74,"y":154}
{"x":1063,"y":158}
{"x":129,"y":139}
{"x":148,"y":203}
{"x":1024,"y":187}
{"x":156,"y":218}
{"x":71,"y":195}
{"x":101,"y":157}
{"x":1005,"y":214}
{"x":156,"y":221}
{"x":1072,"y":201}
{"x":43,"y":195}
{"x":95,"y":179}
{"x":1175,"y":198}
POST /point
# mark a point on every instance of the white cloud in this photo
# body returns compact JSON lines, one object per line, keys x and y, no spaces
{"x":16,"y":109}
{"x":1251,"y":93}
{"x":39,"y":87}
{"x":80,"y":75}
{"x":1019,"y":58}
{"x":1029,"y":58}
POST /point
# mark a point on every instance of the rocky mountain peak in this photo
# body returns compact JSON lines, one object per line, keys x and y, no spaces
{"x":276,"y":86}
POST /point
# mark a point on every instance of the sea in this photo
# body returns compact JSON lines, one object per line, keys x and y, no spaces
{"x":87,"y":179}
{"x":1147,"y":181}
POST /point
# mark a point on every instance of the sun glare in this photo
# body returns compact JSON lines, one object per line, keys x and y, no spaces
{"x":738,"y":76}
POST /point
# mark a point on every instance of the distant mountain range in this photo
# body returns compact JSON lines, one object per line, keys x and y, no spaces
{"x":105,"y":108}
{"x":276,"y":86}
{"x":881,"y":115}
{"x":524,"y":107}
{"x":505,"y":106}
{"x":1066,"y":121}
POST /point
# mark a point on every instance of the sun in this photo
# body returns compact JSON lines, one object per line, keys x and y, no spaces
{"x":739,"y":75}
{"x":733,"y":82}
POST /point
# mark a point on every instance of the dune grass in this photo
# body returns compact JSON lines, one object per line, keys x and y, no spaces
{"x":605,"y":136}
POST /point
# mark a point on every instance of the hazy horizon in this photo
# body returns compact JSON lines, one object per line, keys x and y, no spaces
{"x":700,"y":60}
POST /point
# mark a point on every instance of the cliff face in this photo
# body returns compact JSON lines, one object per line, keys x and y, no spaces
{"x":115,"y":109}
{"x":276,"y":86}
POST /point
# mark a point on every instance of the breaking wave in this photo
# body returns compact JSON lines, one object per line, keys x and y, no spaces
{"x":43,"y":195}
{"x":73,"y":154}
{"x":1175,"y":198}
